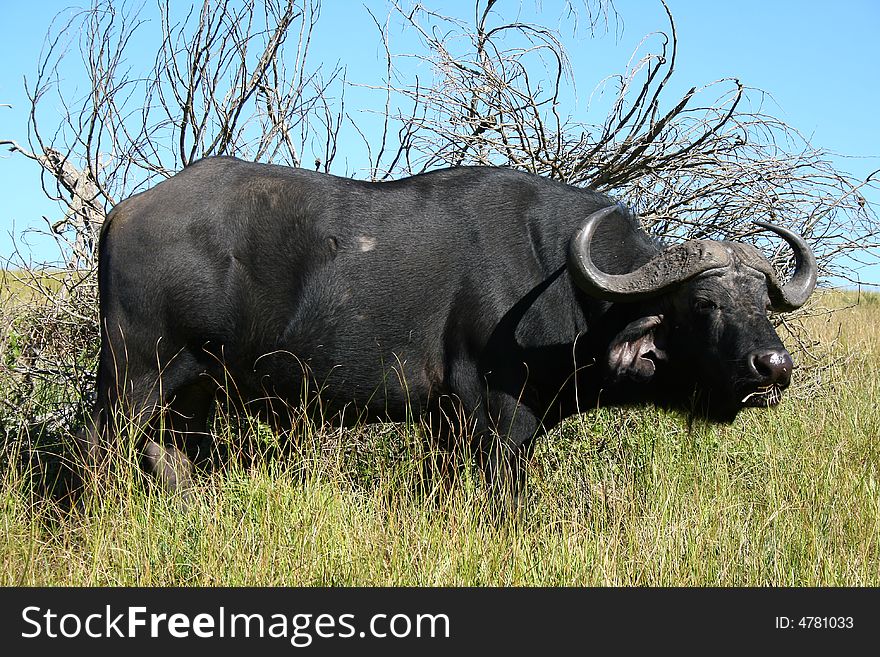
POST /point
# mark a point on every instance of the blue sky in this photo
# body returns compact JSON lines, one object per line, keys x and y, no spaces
{"x":820,"y":61}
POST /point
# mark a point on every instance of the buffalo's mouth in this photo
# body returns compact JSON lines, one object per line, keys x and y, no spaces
{"x":763,"y":397}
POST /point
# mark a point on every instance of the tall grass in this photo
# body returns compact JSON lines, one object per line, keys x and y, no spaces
{"x":787,"y":497}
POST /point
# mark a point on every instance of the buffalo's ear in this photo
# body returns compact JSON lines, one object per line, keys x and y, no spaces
{"x":635,"y":351}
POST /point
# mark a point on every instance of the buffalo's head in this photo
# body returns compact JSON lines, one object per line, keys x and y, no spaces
{"x":701,"y":339}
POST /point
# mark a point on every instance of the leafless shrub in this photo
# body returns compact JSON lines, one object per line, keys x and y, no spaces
{"x":704,"y":165}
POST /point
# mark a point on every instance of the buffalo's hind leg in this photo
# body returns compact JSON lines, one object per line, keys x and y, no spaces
{"x":89,"y":460}
{"x":118,"y":421}
{"x":180,"y":438}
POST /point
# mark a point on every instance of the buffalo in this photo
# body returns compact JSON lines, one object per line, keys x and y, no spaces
{"x":490,"y":303}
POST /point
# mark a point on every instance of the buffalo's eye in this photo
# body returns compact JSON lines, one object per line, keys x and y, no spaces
{"x":704,"y":305}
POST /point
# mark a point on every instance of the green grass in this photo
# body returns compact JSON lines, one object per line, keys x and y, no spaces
{"x":787,"y":497}
{"x":20,"y":285}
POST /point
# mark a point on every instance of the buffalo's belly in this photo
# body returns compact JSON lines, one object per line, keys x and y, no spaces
{"x":344,"y":385}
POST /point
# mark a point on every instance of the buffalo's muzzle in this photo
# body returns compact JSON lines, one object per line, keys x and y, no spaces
{"x":772,"y":367}
{"x":771,"y":372}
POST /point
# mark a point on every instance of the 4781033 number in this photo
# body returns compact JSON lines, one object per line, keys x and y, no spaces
{"x":815,"y":622}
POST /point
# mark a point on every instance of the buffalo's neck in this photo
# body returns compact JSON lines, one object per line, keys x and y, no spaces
{"x":572,"y":375}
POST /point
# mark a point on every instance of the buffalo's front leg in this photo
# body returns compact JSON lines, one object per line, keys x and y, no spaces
{"x":505,"y":446}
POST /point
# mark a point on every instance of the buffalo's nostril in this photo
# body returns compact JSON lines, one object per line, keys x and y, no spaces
{"x":773,"y":366}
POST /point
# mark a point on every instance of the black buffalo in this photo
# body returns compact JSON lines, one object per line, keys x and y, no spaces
{"x":490,"y":303}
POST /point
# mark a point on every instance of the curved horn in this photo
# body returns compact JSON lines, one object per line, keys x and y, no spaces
{"x":795,"y":293}
{"x":667,"y":269}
